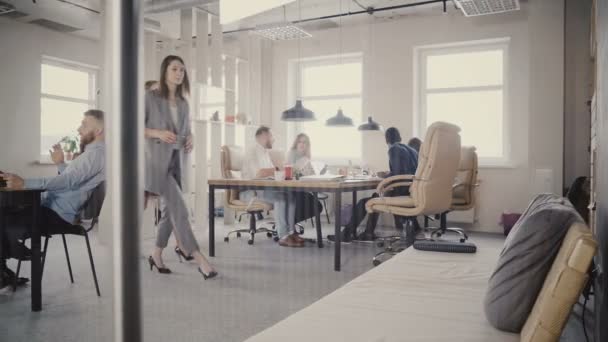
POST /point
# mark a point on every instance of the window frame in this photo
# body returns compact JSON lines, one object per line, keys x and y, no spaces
{"x":92,"y":102}
{"x":295,"y":92}
{"x":421,"y":53}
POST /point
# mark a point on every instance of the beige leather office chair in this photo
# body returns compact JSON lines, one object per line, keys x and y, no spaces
{"x":232,"y":163}
{"x":430,"y":187}
{"x":463,"y":191}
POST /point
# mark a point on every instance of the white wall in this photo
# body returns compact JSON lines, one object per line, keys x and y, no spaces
{"x":535,"y":89}
{"x":22,"y":46}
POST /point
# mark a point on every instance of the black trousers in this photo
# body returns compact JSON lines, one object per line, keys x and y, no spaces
{"x":17,"y":228}
{"x":359,"y":213}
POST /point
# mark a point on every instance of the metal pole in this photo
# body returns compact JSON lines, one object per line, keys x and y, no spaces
{"x":127,"y":168}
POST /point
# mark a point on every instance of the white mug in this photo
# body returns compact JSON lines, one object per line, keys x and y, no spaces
{"x":279,"y":175}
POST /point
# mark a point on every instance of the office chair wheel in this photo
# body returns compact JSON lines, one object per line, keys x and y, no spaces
{"x":438,"y":234}
{"x":376,"y":262}
{"x":238,"y":235}
{"x":250,"y":242}
{"x":380,"y":244}
{"x":276,"y":239}
{"x":226,"y":239}
{"x":269,"y":234}
{"x":463,"y":240}
{"x":301,"y":230}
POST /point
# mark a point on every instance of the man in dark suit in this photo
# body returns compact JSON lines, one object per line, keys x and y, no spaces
{"x":402,"y":160}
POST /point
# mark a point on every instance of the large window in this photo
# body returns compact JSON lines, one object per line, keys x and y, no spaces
{"x":67,"y":91}
{"x":326,"y":85}
{"x":465,"y":84}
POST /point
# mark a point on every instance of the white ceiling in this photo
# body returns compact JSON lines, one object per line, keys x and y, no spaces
{"x":84,"y":14}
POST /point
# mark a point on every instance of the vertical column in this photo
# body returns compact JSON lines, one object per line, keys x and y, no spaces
{"x":216,"y":144}
{"x":125,"y":133}
{"x":201,"y":177}
{"x":185,"y":21}
{"x":230,"y":86}
{"x":202,"y":47}
{"x":216,"y":53}
{"x":151,"y":66}
{"x":243,"y":88}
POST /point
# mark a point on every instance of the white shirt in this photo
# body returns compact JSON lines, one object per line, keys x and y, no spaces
{"x":173,"y":110}
{"x":256,"y":158}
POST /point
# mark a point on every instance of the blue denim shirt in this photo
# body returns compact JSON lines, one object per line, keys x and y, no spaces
{"x":402,"y":160}
{"x":67,"y":192}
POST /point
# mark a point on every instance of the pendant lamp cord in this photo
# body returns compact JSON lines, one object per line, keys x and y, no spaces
{"x":299,"y":70}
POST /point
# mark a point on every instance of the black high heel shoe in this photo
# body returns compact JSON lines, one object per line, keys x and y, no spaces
{"x":162,"y":270}
{"x":206,"y":276}
{"x":180,"y":255}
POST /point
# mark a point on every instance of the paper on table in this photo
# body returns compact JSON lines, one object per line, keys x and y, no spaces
{"x":320,"y":178}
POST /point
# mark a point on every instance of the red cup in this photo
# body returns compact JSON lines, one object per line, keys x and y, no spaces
{"x":288,"y":172}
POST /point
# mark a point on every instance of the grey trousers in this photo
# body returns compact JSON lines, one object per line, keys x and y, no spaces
{"x":284,"y":208}
{"x":175,"y":216}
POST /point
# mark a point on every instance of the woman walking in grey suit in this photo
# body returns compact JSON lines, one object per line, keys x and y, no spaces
{"x":168,"y":136}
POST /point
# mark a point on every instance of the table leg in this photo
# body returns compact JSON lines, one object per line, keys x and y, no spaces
{"x":36,"y":255}
{"x":338,"y":234}
{"x":355,"y":213}
{"x":318,"y":221}
{"x":2,"y":223}
{"x":211,"y":221}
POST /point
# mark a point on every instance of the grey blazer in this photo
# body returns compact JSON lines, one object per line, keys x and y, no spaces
{"x":158,"y":154}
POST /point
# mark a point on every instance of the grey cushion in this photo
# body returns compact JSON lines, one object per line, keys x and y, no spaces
{"x":525,"y":260}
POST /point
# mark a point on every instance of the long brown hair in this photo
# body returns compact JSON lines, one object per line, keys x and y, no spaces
{"x":294,"y":147}
{"x":182,"y":89}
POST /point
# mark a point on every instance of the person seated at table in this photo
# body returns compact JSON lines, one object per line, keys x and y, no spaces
{"x":415,"y":143}
{"x":66,"y":193}
{"x":298,"y":157}
{"x":402,"y":160}
{"x":258,"y":164}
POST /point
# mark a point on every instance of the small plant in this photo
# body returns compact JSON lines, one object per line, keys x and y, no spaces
{"x":70,"y":144}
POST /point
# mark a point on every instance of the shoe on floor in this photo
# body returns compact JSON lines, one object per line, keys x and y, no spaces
{"x":344,"y":238}
{"x":290,"y":241}
{"x":297,"y":237}
{"x":366,"y":237}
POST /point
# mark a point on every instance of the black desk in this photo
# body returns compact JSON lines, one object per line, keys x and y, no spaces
{"x":30,"y":199}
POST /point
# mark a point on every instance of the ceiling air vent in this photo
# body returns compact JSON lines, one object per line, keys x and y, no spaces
{"x":472,"y":8}
{"x":53,"y":25}
{"x":281,"y":31}
{"x":6,"y":8}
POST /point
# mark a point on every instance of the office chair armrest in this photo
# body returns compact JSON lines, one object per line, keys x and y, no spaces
{"x":394,"y":185}
{"x":386,"y":184}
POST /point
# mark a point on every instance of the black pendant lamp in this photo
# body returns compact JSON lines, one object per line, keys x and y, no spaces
{"x":298,"y":113}
{"x":370,"y":125}
{"x":339,"y":120}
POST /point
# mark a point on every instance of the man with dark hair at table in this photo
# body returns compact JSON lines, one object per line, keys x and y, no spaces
{"x":65,"y":194}
{"x":402,"y":160}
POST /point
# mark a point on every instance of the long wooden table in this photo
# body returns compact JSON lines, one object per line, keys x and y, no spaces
{"x":10,"y":199}
{"x":335,"y":187}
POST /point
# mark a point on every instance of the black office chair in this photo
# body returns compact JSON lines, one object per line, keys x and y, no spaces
{"x":89,"y":218}
{"x":323,"y":199}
